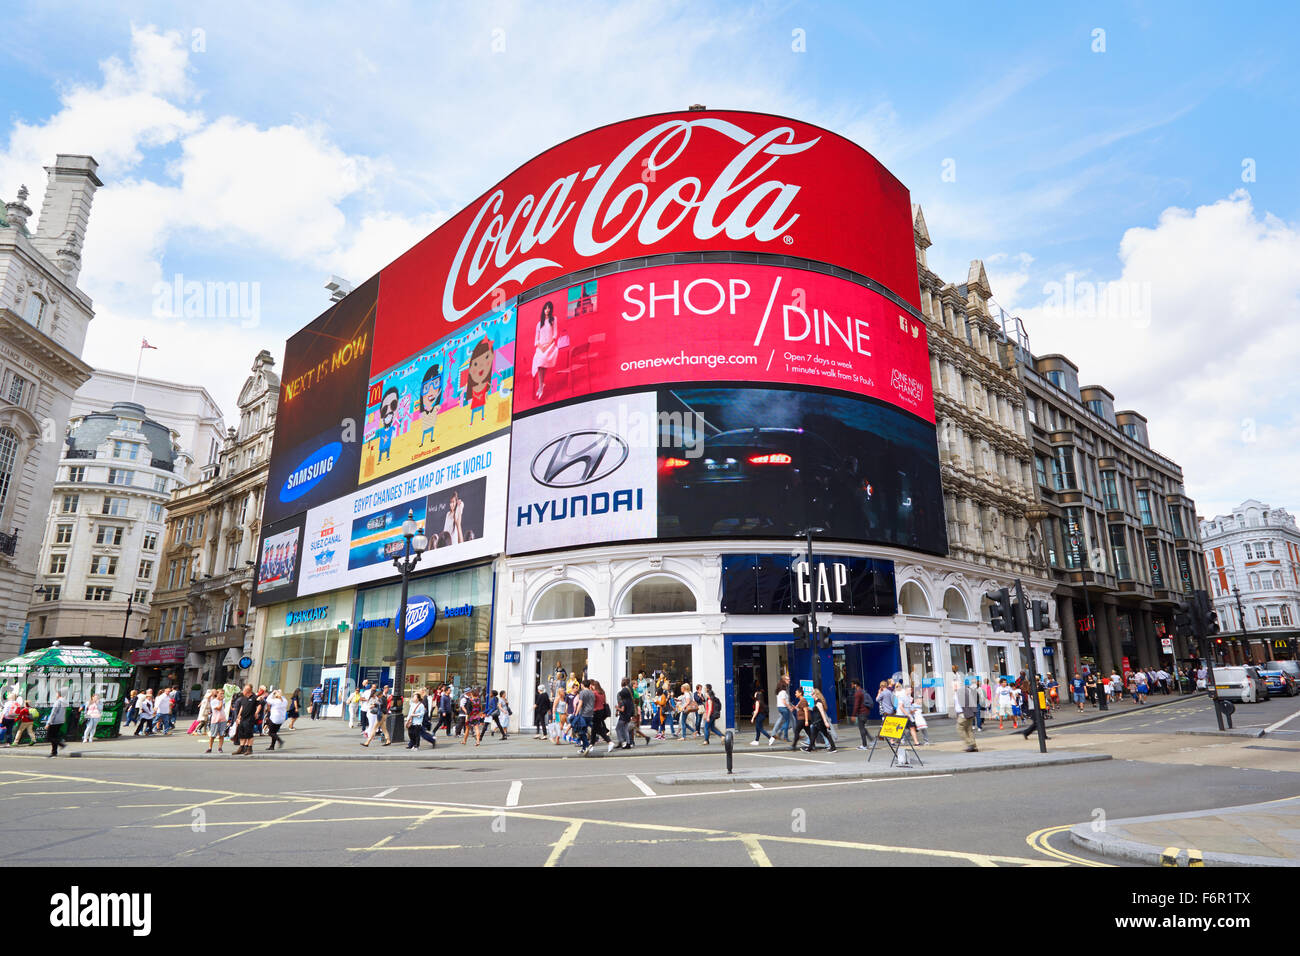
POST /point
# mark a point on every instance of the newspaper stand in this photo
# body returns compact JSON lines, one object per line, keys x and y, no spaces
{"x":891,"y":732}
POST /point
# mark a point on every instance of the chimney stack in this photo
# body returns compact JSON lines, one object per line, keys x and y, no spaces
{"x":65,"y":211}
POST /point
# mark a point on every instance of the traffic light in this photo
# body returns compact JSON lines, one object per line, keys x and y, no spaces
{"x":1207,"y":619}
{"x":1183,"y":620}
{"x":1000,"y":610}
{"x":1041,"y":615}
{"x":801,"y":641}
{"x":823,"y":637}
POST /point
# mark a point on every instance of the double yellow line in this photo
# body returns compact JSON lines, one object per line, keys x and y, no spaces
{"x":1038,"y":841}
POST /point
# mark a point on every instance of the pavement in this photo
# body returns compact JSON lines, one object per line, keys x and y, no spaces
{"x":330,"y":739}
{"x":1259,"y":834}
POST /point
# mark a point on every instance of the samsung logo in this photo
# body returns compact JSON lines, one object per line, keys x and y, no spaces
{"x":308,"y":474}
{"x":579,"y":458}
{"x":310,"y":614}
{"x":579,"y":506}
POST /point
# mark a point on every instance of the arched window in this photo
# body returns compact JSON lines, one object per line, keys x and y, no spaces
{"x":955,"y":605}
{"x":659,"y":594}
{"x":8,"y":459}
{"x":1277,"y":579}
{"x":562,"y":602}
{"x":1254,"y":581}
{"x":911,"y":600}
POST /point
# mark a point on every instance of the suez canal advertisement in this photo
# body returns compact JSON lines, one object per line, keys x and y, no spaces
{"x":459,"y":500}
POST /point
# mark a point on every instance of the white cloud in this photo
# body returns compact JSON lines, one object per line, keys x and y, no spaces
{"x":1212,"y":362}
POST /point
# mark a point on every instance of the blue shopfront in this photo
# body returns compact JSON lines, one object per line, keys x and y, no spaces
{"x":852,"y":595}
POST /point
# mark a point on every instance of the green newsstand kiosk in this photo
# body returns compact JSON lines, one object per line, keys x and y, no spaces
{"x":78,"y":672}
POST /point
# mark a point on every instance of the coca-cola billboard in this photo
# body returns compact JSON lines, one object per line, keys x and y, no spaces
{"x":669,"y":183}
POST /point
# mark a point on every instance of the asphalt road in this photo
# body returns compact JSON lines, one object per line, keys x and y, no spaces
{"x":585,"y":812}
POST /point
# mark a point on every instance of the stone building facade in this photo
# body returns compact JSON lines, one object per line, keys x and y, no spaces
{"x":43,"y":321}
{"x":200,"y":625}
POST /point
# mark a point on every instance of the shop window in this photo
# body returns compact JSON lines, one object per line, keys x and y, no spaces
{"x":911,"y":600}
{"x":657,"y":595}
{"x":955,"y":605}
{"x":562,"y":602}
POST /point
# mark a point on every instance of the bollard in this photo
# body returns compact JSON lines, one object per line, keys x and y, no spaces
{"x":728,"y":744}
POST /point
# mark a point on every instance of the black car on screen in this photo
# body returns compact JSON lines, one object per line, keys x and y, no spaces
{"x":764,"y":480}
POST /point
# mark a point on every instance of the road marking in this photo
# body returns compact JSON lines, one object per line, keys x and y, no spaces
{"x":756,"y":786}
{"x":1285,"y":720}
{"x":755,"y":849}
{"x":512,"y":798}
{"x":796,"y":759}
{"x":1038,"y":841}
{"x":383,"y":793}
{"x":640,"y":785}
{"x":563,"y":843}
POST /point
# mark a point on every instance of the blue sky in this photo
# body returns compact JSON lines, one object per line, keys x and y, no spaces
{"x":275,"y":144}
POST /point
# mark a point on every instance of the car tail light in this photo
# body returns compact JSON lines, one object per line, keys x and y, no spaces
{"x":675,"y":462}
{"x":775,"y":458}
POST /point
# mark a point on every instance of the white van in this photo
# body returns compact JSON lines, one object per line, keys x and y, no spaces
{"x":1240,"y":683}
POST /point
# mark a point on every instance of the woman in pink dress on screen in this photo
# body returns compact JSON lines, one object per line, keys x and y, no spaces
{"x":546,"y":343}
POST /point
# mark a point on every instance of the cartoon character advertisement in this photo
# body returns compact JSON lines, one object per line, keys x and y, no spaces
{"x":454,"y":392}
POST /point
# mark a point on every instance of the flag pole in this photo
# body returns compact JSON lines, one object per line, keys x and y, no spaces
{"x":139,"y":358}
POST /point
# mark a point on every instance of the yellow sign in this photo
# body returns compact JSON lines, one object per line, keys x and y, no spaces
{"x":893,"y":727}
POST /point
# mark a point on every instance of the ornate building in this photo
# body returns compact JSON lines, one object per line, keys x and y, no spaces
{"x":985,"y":462}
{"x":1254,"y":565}
{"x":99,"y":556}
{"x":43,"y":322}
{"x":1118,"y":520}
{"x":199,"y":623}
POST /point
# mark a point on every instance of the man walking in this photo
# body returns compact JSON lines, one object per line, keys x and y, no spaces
{"x":54,"y":723}
{"x":584,"y":707}
{"x":861,"y":712}
{"x":317,"y":694}
{"x":626,"y":707}
{"x":967,"y":707}
{"x":163,"y":709}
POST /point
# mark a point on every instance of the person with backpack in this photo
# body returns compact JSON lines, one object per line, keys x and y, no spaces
{"x":713,"y":710}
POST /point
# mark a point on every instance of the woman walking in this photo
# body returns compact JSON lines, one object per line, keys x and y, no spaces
{"x":560,"y":716}
{"x":200,"y":725}
{"x":354,"y":707}
{"x":918,"y":718}
{"x":784,"y":718}
{"x":243,"y":714}
{"x":92,"y":715}
{"x":216,"y":721}
{"x":291,"y":712}
{"x":599,"y":729}
{"x":1002,"y":704}
{"x":374,"y":713}
{"x":820,"y":725}
{"x":473,"y":718}
{"x":712,"y":711}
{"x":758,"y":717}
{"x":277,"y":711}
{"x":415,"y":721}
{"x":503,"y":715}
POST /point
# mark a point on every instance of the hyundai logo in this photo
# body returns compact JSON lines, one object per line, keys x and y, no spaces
{"x":579,"y":458}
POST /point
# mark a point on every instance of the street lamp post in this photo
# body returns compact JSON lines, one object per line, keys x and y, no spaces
{"x":414,"y":549}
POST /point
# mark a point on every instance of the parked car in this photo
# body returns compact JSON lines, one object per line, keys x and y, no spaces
{"x":1240,"y":683}
{"x":1279,"y":679}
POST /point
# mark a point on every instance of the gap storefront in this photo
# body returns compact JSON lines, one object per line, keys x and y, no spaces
{"x":855,"y":598}
{"x":302,"y":638}
{"x":452,"y":644}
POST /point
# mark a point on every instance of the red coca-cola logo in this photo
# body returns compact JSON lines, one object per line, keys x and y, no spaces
{"x":501,"y":248}
{"x":671,"y":183}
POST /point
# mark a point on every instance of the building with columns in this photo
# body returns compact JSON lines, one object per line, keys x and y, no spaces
{"x":988,"y":490}
{"x":43,"y":321}
{"x":199,"y":626}
{"x":1118,"y":524}
{"x":1253,"y":558}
